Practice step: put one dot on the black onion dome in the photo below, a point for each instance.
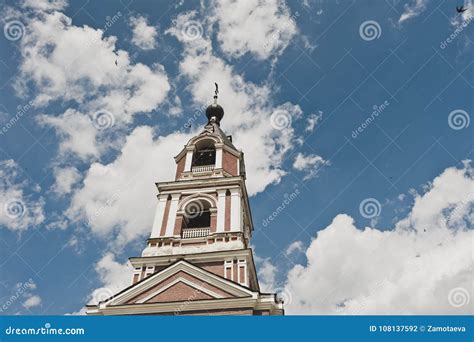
(214, 110)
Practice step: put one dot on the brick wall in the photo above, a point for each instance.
(180, 166)
(229, 163)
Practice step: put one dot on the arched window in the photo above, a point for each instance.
(197, 214)
(204, 154)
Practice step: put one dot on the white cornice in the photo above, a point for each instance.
(263, 302)
(199, 182)
(163, 260)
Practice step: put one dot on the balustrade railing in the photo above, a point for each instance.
(202, 168)
(189, 233)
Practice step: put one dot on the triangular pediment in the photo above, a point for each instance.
(181, 281)
(179, 290)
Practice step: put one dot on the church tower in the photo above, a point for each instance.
(197, 260)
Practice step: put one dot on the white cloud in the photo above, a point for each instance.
(415, 268)
(65, 178)
(18, 210)
(114, 277)
(77, 134)
(32, 301)
(248, 107)
(44, 5)
(144, 35)
(54, 46)
(295, 246)
(121, 197)
(103, 77)
(413, 9)
(268, 26)
(312, 121)
(310, 163)
(266, 274)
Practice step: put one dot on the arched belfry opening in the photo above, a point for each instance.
(197, 214)
(204, 153)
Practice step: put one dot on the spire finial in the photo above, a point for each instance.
(216, 92)
(214, 111)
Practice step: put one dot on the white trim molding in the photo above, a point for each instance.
(235, 210)
(158, 220)
(172, 214)
(220, 210)
(189, 158)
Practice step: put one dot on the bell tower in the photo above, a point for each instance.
(197, 259)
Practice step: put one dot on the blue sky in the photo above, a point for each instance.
(295, 86)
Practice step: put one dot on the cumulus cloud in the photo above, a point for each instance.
(76, 132)
(55, 47)
(310, 164)
(312, 121)
(266, 272)
(19, 210)
(268, 26)
(114, 277)
(120, 196)
(294, 247)
(32, 301)
(424, 265)
(44, 5)
(144, 35)
(413, 9)
(103, 79)
(65, 178)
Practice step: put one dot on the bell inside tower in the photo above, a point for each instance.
(205, 153)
